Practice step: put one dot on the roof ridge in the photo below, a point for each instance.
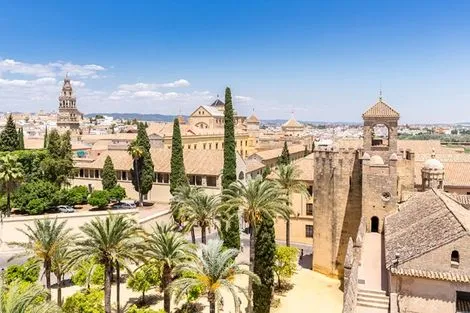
(441, 195)
(377, 106)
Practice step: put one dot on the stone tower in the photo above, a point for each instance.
(379, 164)
(68, 117)
(432, 174)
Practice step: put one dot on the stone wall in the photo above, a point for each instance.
(351, 268)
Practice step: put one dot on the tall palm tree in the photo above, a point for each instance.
(110, 240)
(214, 270)
(257, 198)
(204, 211)
(11, 174)
(45, 237)
(136, 153)
(169, 247)
(288, 178)
(179, 203)
(18, 299)
(62, 263)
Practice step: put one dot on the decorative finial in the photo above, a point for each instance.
(433, 154)
(380, 92)
(217, 96)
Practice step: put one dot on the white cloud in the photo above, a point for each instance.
(145, 86)
(55, 69)
(243, 99)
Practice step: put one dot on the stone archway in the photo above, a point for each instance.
(374, 224)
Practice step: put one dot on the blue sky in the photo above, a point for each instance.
(322, 60)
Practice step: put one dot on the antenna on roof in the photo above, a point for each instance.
(217, 96)
(380, 92)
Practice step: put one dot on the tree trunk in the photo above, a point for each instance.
(166, 292)
(118, 286)
(249, 308)
(136, 167)
(47, 273)
(203, 234)
(193, 235)
(108, 273)
(59, 290)
(288, 232)
(143, 297)
(211, 298)
(8, 204)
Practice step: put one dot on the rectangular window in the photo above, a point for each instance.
(309, 231)
(195, 146)
(92, 174)
(198, 180)
(124, 175)
(86, 173)
(97, 174)
(204, 146)
(129, 176)
(310, 190)
(309, 209)
(210, 146)
(81, 174)
(216, 145)
(211, 181)
(191, 180)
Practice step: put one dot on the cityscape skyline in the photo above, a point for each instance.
(324, 62)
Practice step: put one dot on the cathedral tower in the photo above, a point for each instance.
(379, 164)
(68, 117)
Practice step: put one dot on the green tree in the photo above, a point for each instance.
(20, 139)
(136, 153)
(99, 198)
(108, 178)
(62, 263)
(183, 194)
(146, 175)
(145, 278)
(58, 166)
(78, 194)
(35, 197)
(169, 247)
(113, 240)
(30, 160)
(117, 193)
(288, 177)
(27, 272)
(215, 271)
(54, 143)
(230, 232)
(285, 263)
(44, 145)
(19, 298)
(142, 139)
(11, 174)
(265, 249)
(143, 171)
(284, 159)
(257, 198)
(84, 302)
(45, 238)
(88, 272)
(177, 174)
(9, 136)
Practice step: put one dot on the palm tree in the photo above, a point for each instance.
(62, 263)
(204, 211)
(179, 202)
(214, 270)
(110, 240)
(11, 174)
(46, 237)
(169, 247)
(288, 178)
(136, 153)
(257, 198)
(18, 299)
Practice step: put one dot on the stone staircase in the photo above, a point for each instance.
(377, 300)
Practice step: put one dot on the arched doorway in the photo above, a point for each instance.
(374, 224)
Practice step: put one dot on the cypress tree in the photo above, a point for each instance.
(284, 159)
(45, 139)
(147, 173)
(54, 143)
(230, 234)
(108, 178)
(144, 164)
(9, 136)
(265, 251)
(142, 139)
(20, 139)
(177, 174)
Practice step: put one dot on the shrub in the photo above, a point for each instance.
(88, 273)
(85, 302)
(99, 198)
(117, 193)
(35, 197)
(145, 278)
(285, 263)
(78, 194)
(27, 272)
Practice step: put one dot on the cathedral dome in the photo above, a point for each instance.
(376, 160)
(433, 163)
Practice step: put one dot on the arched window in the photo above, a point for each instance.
(454, 257)
(241, 176)
(374, 224)
(380, 135)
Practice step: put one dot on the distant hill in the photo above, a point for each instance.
(138, 116)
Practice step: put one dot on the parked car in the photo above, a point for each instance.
(65, 209)
(123, 205)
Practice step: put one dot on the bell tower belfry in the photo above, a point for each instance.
(68, 117)
(379, 164)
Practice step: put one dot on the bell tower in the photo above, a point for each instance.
(68, 117)
(379, 164)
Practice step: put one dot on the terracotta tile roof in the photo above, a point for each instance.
(455, 173)
(292, 122)
(305, 166)
(448, 276)
(213, 111)
(253, 165)
(217, 103)
(33, 143)
(275, 153)
(464, 200)
(252, 119)
(381, 109)
(425, 222)
(203, 162)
